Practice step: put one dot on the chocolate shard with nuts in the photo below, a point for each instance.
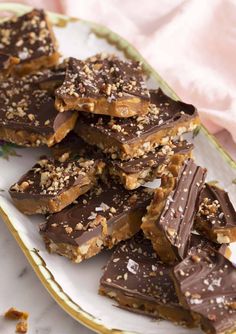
(140, 282)
(27, 113)
(100, 218)
(205, 283)
(170, 215)
(50, 186)
(30, 39)
(131, 173)
(7, 63)
(135, 172)
(135, 136)
(103, 85)
(216, 217)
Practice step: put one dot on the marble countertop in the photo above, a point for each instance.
(20, 287)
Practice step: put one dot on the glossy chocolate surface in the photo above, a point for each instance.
(206, 282)
(216, 209)
(103, 76)
(176, 219)
(27, 37)
(135, 269)
(84, 218)
(152, 159)
(163, 113)
(24, 106)
(48, 178)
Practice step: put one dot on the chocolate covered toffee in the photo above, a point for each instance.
(100, 218)
(133, 137)
(30, 39)
(50, 186)
(170, 216)
(205, 282)
(27, 113)
(216, 217)
(139, 281)
(104, 85)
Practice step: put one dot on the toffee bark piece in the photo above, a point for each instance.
(50, 186)
(7, 64)
(133, 137)
(103, 85)
(216, 217)
(135, 172)
(28, 116)
(30, 39)
(131, 173)
(170, 215)
(100, 218)
(140, 282)
(205, 283)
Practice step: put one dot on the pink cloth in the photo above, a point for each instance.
(191, 43)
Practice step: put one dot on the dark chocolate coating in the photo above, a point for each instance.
(98, 202)
(24, 106)
(225, 215)
(48, 178)
(176, 219)
(91, 79)
(75, 146)
(136, 270)
(164, 113)
(206, 282)
(152, 159)
(27, 37)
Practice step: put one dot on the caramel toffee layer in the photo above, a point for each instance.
(102, 217)
(170, 216)
(135, 136)
(135, 172)
(137, 278)
(29, 38)
(205, 282)
(103, 85)
(49, 186)
(216, 218)
(27, 113)
(7, 63)
(131, 173)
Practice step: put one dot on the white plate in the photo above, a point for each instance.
(75, 286)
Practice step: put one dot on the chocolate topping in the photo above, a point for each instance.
(177, 217)
(27, 37)
(48, 178)
(206, 284)
(103, 204)
(163, 113)
(106, 76)
(24, 106)
(216, 214)
(73, 146)
(152, 159)
(136, 269)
